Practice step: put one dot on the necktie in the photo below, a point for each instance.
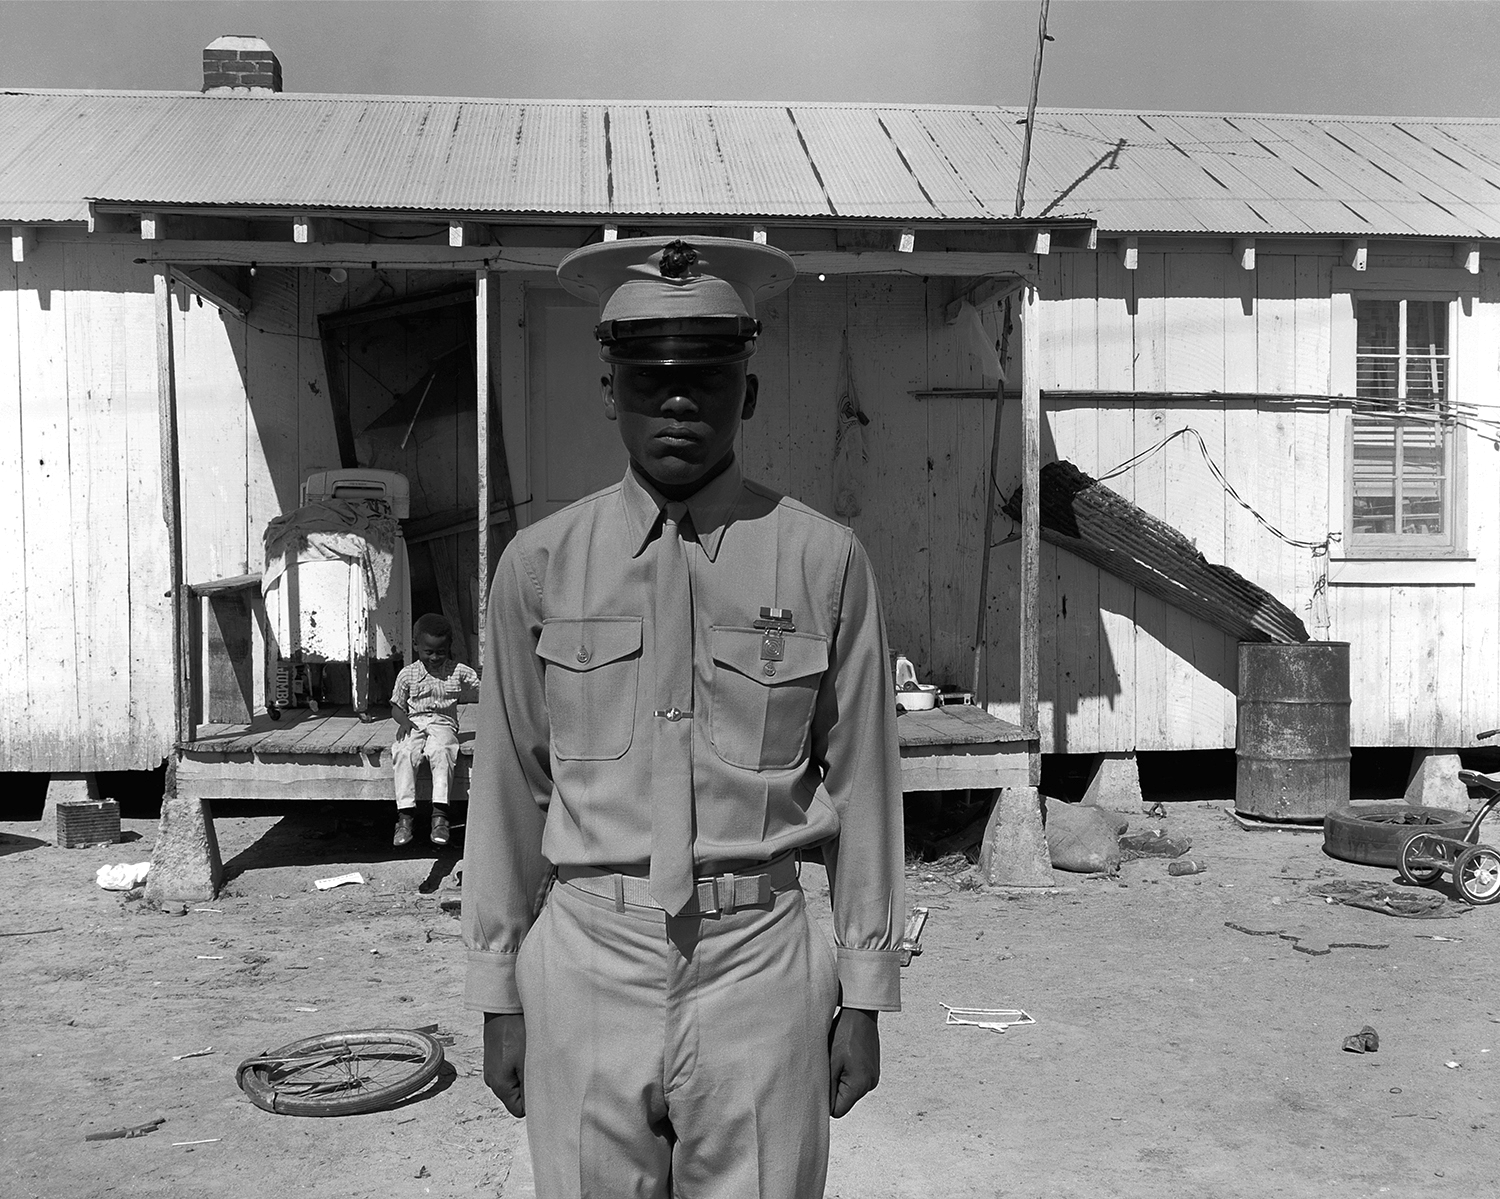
(671, 879)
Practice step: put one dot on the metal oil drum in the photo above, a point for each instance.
(1292, 730)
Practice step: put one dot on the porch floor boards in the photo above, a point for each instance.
(334, 731)
(332, 755)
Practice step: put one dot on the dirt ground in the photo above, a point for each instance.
(1171, 1055)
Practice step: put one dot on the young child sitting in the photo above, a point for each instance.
(425, 704)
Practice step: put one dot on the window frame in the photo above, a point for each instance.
(1411, 546)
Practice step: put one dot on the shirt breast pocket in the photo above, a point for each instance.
(591, 673)
(762, 709)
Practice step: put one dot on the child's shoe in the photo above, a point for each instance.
(403, 830)
(439, 832)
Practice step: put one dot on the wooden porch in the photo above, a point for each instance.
(332, 754)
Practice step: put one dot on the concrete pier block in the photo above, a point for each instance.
(66, 788)
(185, 864)
(1014, 850)
(1115, 785)
(1434, 780)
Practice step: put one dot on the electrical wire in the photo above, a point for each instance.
(1189, 431)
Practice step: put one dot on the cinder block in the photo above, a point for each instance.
(1115, 785)
(1434, 780)
(1014, 850)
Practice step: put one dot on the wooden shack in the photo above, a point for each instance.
(259, 286)
(191, 347)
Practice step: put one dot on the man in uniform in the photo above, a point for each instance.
(686, 686)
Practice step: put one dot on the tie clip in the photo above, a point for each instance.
(673, 714)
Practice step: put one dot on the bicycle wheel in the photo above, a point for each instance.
(341, 1073)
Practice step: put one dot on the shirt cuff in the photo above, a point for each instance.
(870, 979)
(491, 982)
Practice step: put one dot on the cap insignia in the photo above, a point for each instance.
(677, 258)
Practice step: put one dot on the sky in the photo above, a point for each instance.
(1386, 58)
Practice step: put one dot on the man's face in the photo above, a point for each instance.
(679, 423)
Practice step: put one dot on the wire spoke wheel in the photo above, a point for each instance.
(341, 1074)
(1476, 874)
(1419, 846)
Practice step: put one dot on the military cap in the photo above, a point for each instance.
(667, 301)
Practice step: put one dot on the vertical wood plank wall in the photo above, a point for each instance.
(1124, 671)
(88, 685)
(86, 680)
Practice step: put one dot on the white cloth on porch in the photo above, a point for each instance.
(332, 577)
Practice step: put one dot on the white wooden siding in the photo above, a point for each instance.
(1424, 658)
(88, 685)
(86, 679)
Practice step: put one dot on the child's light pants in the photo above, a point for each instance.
(435, 740)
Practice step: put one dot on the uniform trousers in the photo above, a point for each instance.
(433, 739)
(682, 1056)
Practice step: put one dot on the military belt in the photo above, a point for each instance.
(713, 895)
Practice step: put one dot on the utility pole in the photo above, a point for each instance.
(1036, 84)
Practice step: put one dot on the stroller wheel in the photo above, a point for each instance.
(1418, 846)
(1476, 874)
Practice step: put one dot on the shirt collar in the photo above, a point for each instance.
(711, 508)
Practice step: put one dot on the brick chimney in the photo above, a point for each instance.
(235, 63)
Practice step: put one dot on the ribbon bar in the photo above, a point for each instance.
(673, 714)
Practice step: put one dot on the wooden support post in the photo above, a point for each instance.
(1130, 252)
(482, 435)
(23, 241)
(1031, 509)
(1357, 253)
(1465, 254)
(171, 496)
(1244, 252)
(185, 861)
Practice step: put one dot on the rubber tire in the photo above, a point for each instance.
(252, 1077)
(1372, 834)
(1460, 880)
(1411, 874)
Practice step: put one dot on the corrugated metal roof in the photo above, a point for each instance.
(1139, 172)
(1248, 174)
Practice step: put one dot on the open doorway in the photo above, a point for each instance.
(402, 388)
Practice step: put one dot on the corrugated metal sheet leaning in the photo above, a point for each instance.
(1083, 516)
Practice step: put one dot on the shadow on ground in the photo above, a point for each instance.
(334, 834)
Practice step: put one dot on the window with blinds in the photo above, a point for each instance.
(1402, 472)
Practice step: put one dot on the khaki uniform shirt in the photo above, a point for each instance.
(799, 757)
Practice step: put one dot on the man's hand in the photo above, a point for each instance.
(853, 1059)
(505, 1059)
